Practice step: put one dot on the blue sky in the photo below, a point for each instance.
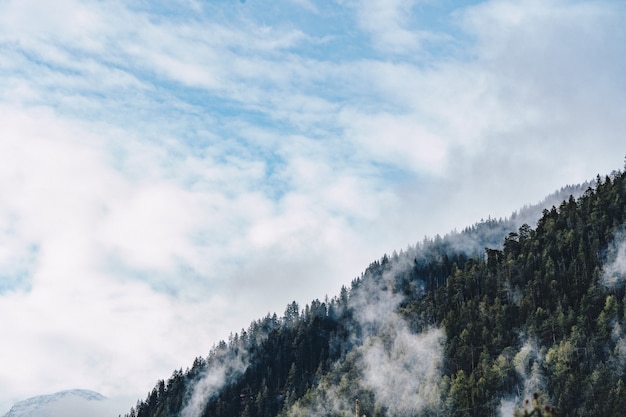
(169, 173)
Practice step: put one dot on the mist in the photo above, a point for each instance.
(224, 365)
(399, 368)
(528, 363)
(614, 269)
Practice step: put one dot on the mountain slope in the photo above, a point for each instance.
(465, 325)
(70, 403)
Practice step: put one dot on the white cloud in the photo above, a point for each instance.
(110, 231)
(388, 22)
(35, 21)
(397, 140)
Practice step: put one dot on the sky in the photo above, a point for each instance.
(171, 171)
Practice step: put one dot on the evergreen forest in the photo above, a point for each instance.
(474, 323)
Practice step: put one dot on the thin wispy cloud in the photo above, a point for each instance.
(170, 173)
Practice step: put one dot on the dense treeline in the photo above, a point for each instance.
(535, 308)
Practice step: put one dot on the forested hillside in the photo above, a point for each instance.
(470, 324)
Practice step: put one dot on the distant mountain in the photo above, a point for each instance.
(70, 403)
(470, 324)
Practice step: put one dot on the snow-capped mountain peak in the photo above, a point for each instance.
(69, 403)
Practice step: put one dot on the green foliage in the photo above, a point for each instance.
(535, 408)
